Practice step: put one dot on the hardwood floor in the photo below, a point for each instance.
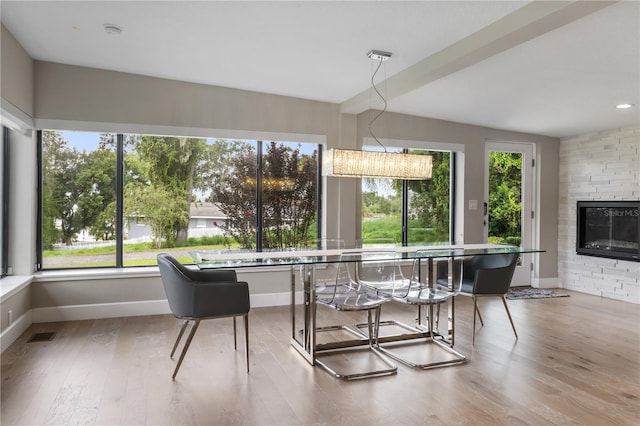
(577, 361)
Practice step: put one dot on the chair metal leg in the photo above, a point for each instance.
(376, 329)
(373, 325)
(175, 345)
(475, 312)
(479, 316)
(504, 302)
(246, 338)
(370, 326)
(432, 337)
(186, 346)
(235, 336)
(449, 348)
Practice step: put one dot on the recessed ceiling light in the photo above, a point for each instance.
(624, 106)
(112, 29)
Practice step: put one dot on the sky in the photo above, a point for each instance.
(82, 140)
(89, 141)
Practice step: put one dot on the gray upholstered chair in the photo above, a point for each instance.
(195, 295)
(488, 276)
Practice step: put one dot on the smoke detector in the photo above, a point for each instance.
(112, 29)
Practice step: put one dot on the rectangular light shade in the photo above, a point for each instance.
(372, 164)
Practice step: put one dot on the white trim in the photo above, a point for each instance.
(523, 274)
(14, 118)
(95, 274)
(15, 330)
(13, 284)
(263, 300)
(100, 310)
(545, 283)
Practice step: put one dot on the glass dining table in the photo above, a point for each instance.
(304, 265)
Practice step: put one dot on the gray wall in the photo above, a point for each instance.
(79, 98)
(16, 89)
(19, 304)
(66, 92)
(16, 79)
(139, 286)
(411, 128)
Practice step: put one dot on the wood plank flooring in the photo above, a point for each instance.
(577, 361)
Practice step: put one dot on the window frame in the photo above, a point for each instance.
(120, 135)
(4, 213)
(405, 146)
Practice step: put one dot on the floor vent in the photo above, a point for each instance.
(42, 337)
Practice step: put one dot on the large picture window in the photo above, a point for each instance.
(78, 199)
(409, 211)
(171, 193)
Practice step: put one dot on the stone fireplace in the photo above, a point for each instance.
(597, 166)
(608, 229)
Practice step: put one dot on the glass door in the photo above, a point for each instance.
(508, 206)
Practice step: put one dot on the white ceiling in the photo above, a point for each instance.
(550, 68)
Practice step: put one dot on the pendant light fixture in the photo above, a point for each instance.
(375, 164)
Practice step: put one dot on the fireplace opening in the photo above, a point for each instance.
(609, 229)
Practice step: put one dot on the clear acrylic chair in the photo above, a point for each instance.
(423, 290)
(381, 272)
(325, 277)
(347, 295)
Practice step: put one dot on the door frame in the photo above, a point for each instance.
(524, 271)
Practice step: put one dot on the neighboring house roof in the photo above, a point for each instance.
(206, 211)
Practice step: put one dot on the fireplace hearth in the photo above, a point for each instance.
(609, 229)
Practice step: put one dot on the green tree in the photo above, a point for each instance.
(288, 194)
(429, 201)
(216, 163)
(97, 181)
(234, 189)
(61, 165)
(50, 233)
(505, 198)
(430, 198)
(375, 204)
(165, 213)
(172, 163)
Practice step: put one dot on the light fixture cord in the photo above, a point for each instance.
(373, 84)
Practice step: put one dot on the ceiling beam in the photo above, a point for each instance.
(526, 23)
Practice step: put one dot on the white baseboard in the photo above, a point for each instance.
(273, 299)
(15, 330)
(545, 283)
(100, 310)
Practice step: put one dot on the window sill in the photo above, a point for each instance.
(12, 284)
(95, 274)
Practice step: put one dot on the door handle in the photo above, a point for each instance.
(486, 208)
